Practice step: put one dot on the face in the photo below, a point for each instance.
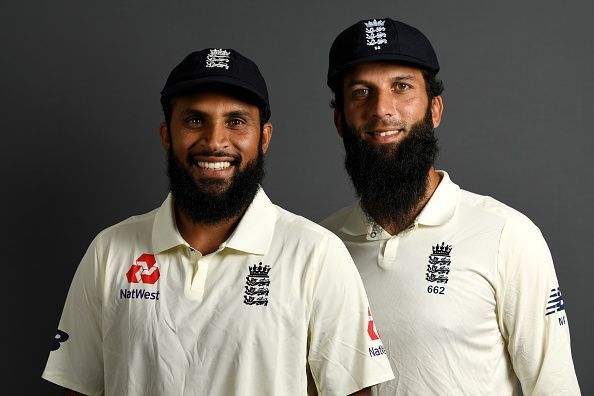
(214, 137)
(387, 125)
(383, 101)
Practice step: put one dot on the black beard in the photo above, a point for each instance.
(391, 180)
(208, 202)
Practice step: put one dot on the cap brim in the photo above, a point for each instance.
(383, 57)
(189, 85)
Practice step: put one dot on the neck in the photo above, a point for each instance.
(433, 180)
(205, 237)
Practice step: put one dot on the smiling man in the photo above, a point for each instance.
(218, 291)
(463, 286)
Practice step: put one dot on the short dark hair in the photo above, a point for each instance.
(433, 86)
(244, 96)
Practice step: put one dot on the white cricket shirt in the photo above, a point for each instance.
(466, 299)
(148, 315)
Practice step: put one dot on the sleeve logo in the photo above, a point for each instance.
(555, 302)
(59, 338)
(371, 329)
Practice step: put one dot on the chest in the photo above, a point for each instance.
(441, 280)
(187, 301)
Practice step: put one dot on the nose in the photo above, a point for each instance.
(384, 104)
(215, 137)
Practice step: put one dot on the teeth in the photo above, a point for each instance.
(388, 133)
(214, 165)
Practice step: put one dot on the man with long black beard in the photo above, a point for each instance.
(463, 286)
(219, 291)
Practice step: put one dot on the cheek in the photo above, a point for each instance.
(247, 146)
(414, 109)
(354, 115)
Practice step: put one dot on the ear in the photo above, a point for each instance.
(164, 133)
(338, 122)
(266, 136)
(436, 110)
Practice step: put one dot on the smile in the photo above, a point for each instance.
(213, 165)
(386, 133)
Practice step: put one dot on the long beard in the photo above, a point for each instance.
(391, 180)
(209, 202)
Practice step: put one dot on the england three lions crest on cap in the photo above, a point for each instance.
(218, 58)
(375, 33)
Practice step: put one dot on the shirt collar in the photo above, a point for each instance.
(441, 206)
(438, 210)
(165, 233)
(256, 228)
(253, 234)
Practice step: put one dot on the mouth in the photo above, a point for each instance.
(385, 136)
(213, 165)
(386, 133)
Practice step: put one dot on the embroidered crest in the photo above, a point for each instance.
(218, 58)
(375, 33)
(256, 285)
(439, 264)
(555, 303)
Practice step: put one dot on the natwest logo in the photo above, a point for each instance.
(146, 270)
(371, 330)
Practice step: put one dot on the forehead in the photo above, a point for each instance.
(380, 72)
(213, 102)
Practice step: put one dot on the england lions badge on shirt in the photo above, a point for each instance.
(256, 285)
(438, 268)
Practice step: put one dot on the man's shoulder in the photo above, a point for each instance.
(133, 225)
(335, 220)
(490, 207)
(301, 227)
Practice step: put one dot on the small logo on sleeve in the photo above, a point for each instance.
(256, 285)
(371, 329)
(59, 338)
(555, 302)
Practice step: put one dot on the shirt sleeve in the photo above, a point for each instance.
(345, 351)
(76, 359)
(532, 315)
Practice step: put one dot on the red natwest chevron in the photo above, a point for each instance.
(145, 269)
(371, 327)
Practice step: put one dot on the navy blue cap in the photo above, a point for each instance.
(219, 66)
(379, 40)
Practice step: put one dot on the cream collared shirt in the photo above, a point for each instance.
(466, 299)
(148, 315)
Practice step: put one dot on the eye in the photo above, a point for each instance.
(194, 122)
(400, 86)
(360, 92)
(236, 122)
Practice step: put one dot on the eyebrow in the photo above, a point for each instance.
(404, 77)
(238, 113)
(189, 111)
(232, 113)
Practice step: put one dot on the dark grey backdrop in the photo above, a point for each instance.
(80, 115)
